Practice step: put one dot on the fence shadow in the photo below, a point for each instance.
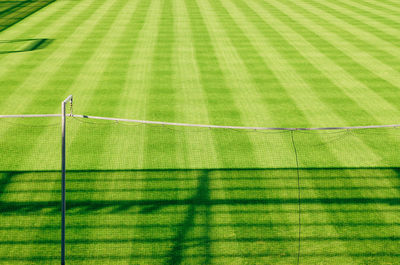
(185, 213)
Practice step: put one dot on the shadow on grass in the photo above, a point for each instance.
(198, 205)
(15, 11)
(23, 45)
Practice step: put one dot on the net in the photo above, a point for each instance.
(159, 193)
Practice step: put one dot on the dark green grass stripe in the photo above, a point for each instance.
(263, 77)
(395, 40)
(380, 86)
(310, 74)
(291, 54)
(381, 7)
(263, 73)
(113, 80)
(211, 75)
(268, 86)
(370, 14)
(74, 63)
(220, 103)
(72, 66)
(161, 96)
(20, 11)
(335, 95)
(102, 141)
(54, 15)
(67, 29)
(161, 149)
(12, 7)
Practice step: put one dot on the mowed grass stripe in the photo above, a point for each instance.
(100, 51)
(39, 22)
(138, 69)
(84, 62)
(365, 25)
(324, 152)
(362, 35)
(8, 72)
(238, 77)
(386, 6)
(299, 81)
(341, 74)
(384, 20)
(323, 81)
(328, 94)
(221, 103)
(118, 153)
(366, 69)
(265, 46)
(118, 51)
(212, 78)
(161, 147)
(238, 17)
(238, 249)
(38, 76)
(34, 102)
(297, 40)
(89, 66)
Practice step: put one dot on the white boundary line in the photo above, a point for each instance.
(30, 116)
(201, 125)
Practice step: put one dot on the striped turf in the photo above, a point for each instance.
(160, 195)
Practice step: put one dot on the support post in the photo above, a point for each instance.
(63, 204)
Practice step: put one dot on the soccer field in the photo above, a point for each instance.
(141, 194)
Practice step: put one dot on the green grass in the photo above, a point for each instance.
(162, 195)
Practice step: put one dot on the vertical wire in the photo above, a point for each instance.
(299, 197)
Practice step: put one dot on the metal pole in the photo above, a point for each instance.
(63, 204)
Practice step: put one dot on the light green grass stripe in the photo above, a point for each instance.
(387, 5)
(286, 31)
(162, 150)
(38, 15)
(192, 107)
(237, 81)
(299, 92)
(356, 62)
(385, 20)
(371, 49)
(37, 78)
(140, 85)
(367, 25)
(161, 94)
(39, 22)
(223, 108)
(66, 64)
(363, 35)
(303, 183)
(304, 69)
(366, 21)
(91, 65)
(341, 78)
(363, 59)
(296, 39)
(236, 74)
(222, 38)
(118, 51)
(96, 60)
(304, 77)
(13, 62)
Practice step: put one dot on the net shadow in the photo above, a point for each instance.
(184, 215)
